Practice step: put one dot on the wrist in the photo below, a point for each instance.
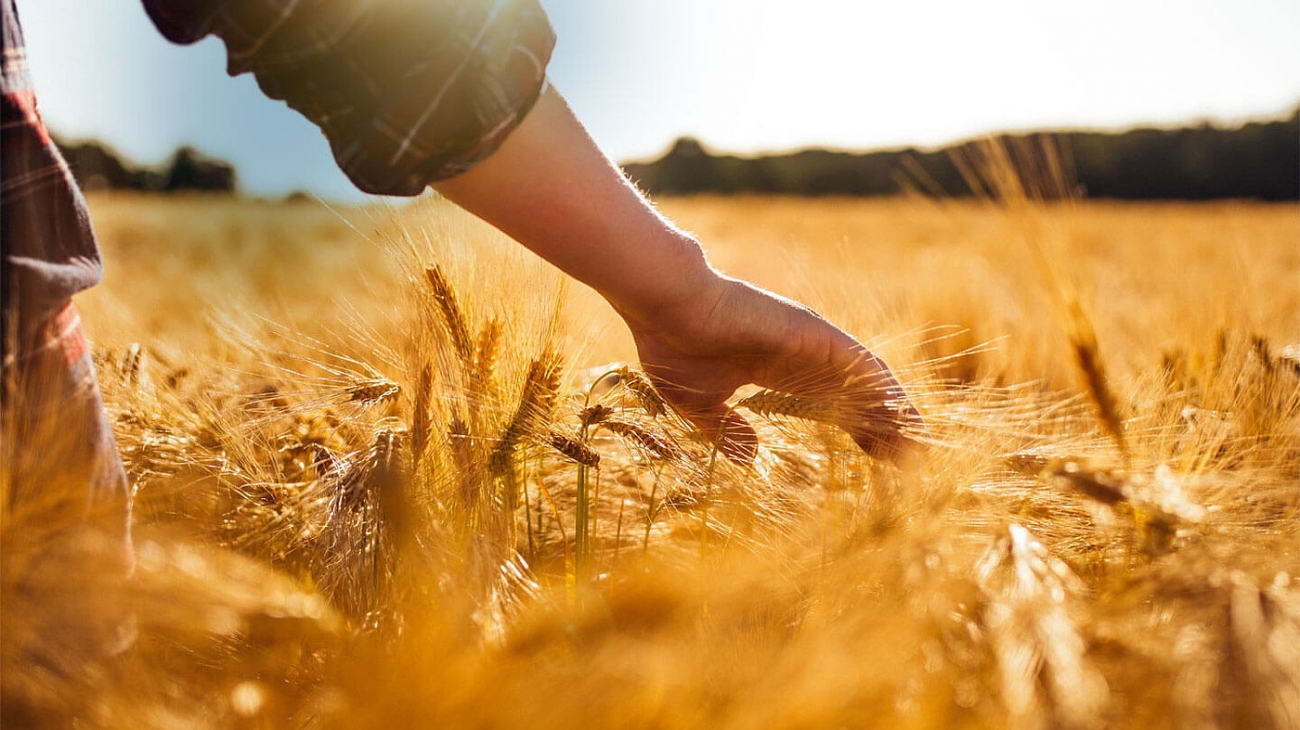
(674, 292)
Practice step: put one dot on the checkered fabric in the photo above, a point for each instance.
(408, 92)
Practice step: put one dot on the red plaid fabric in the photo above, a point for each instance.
(47, 247)
(56, 447)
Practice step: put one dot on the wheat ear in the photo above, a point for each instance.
(574, 450)
(536, 401)
(1041, 657)
(420, 418)
(595, 415)
(485, 356)
(1084, 340)
(636, 433)
(638, 383)
(771, 403)
(453, 318)
(373, 390)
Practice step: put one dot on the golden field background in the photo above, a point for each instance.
(342, 521)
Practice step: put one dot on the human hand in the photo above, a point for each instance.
(700, 335)
(731, 333)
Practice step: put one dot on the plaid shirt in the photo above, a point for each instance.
(408, 92)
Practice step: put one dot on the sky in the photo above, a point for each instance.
(743, 76)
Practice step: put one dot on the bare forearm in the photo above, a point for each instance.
(699, 335)
(550, 188)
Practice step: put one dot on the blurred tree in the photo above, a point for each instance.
(190, 170)
(98, 167)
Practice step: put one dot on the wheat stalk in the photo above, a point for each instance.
(461, 444)
(595, 415)
(1045, 676)
(773, 403)
(453, 318)
(1159, 502)
(372, 390)
(420, 418)
(640, 386)
(485, 356)
(135, 368)
(636, 433)
(1084, 341)
(574, 450)
(367, 517)
(1289, 357)
(388, 481)
(536, 402)
(1259, 347)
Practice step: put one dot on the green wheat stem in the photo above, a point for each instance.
(580, 525)
(581, 533)
(650, 519)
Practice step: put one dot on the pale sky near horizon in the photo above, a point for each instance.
(743, 76)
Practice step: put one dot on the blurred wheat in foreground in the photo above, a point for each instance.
(436, 494)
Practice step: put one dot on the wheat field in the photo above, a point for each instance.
(392, 471)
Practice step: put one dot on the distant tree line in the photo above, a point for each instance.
(96, 167)
(1259, 160)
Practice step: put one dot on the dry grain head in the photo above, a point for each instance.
(373, 390)
(574, 450)
(655, 444)
(485, 358)
(451, 314)
(1046, 678)
(638, 384)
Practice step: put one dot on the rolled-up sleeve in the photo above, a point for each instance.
(408, 92)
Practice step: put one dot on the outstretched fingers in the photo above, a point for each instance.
(877, 413)
(842, 382)
(754, 337)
